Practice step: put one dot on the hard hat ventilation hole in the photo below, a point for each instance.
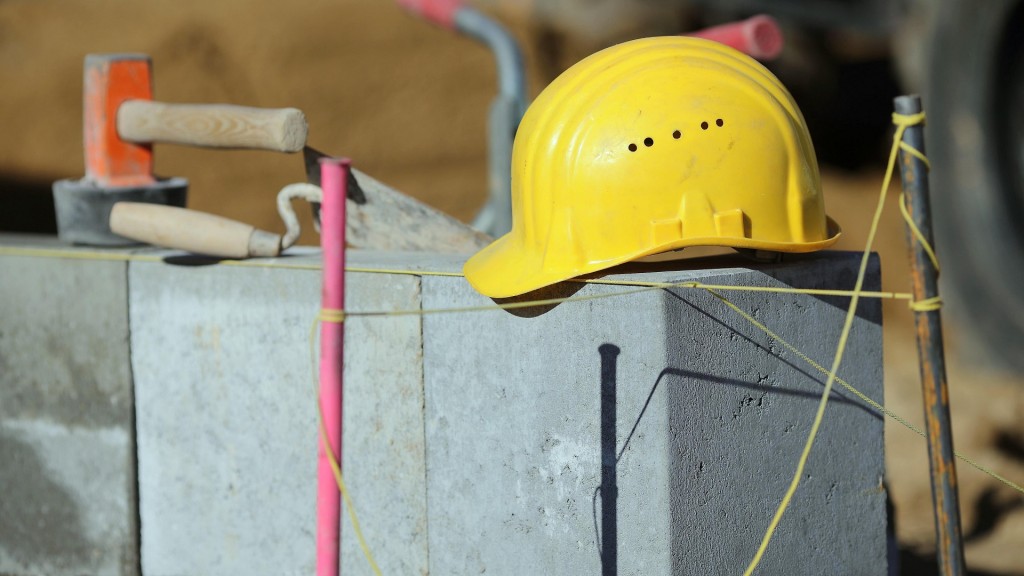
(677, 134)
(719, 122)
(648, 142)
(632, 147)
(703, 125)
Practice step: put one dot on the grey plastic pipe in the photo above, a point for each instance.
(507, 109)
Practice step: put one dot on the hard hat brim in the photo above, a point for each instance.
(503, 269)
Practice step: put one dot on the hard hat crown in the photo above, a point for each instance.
(649, 146)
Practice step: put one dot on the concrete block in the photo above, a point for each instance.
(67, 466)
(654, 433)
(227, 421)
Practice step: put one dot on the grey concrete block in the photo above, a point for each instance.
(67, 468)
(227, 421)
(690, 418)
(384, 443)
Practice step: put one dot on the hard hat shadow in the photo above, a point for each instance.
(557, 291)
(569, 288)
(675, 262)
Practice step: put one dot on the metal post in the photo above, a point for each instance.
(946, 502)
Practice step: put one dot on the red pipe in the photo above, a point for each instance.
(334, 182)
(759, 37)
(440, 12)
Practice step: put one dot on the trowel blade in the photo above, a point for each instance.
(381, 218)
(312, 158)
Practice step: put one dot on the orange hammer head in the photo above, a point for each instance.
(110, 79)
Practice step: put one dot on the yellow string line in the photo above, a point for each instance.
(901, 122)
(337, 317)
(850, 388)
(76, 254)
(523, 304)
(121, 257)
(404, 272)
(927, 305)
(917, 232)
(772, 289)
(332, 315)
(916, 153)
(644, 287)
(907, 148)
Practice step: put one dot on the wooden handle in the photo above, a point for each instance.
(192, 231)
(212, 125)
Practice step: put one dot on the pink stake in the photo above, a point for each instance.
(440, 12)
(334, 181)
(759, 37)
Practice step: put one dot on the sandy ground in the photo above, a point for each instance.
(408, 103)
(987, 407)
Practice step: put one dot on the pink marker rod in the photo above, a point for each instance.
(440, 12)
(759, 37)
(334, 181)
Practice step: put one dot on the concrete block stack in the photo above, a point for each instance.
(644, 434)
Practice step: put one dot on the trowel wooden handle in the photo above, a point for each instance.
(212, 125)
(192, 231)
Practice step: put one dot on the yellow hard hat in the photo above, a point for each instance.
(649, 146)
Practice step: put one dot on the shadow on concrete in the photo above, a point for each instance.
(192, 260)
(26, 205)
(553, 292)
(606, 524)
(708, 378)
(869, 309)
(608, 540)
(40, 527)
(839, 395)
(188, 259)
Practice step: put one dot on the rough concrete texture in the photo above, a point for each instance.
(651, 434)
(67, 468)
(227, 421)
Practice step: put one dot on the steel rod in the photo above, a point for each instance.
(945, 500)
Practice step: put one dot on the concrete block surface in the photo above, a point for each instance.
(227, 421)
(653, 433)
(67, 466)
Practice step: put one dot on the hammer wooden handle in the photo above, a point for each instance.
(192, 231)
(212, 125)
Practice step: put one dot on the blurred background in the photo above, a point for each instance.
(409, 102)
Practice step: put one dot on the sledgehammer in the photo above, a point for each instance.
(120, 124)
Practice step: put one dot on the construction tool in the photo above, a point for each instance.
(120, 124)
(381, 219)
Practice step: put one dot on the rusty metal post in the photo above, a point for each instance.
(946, 502)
